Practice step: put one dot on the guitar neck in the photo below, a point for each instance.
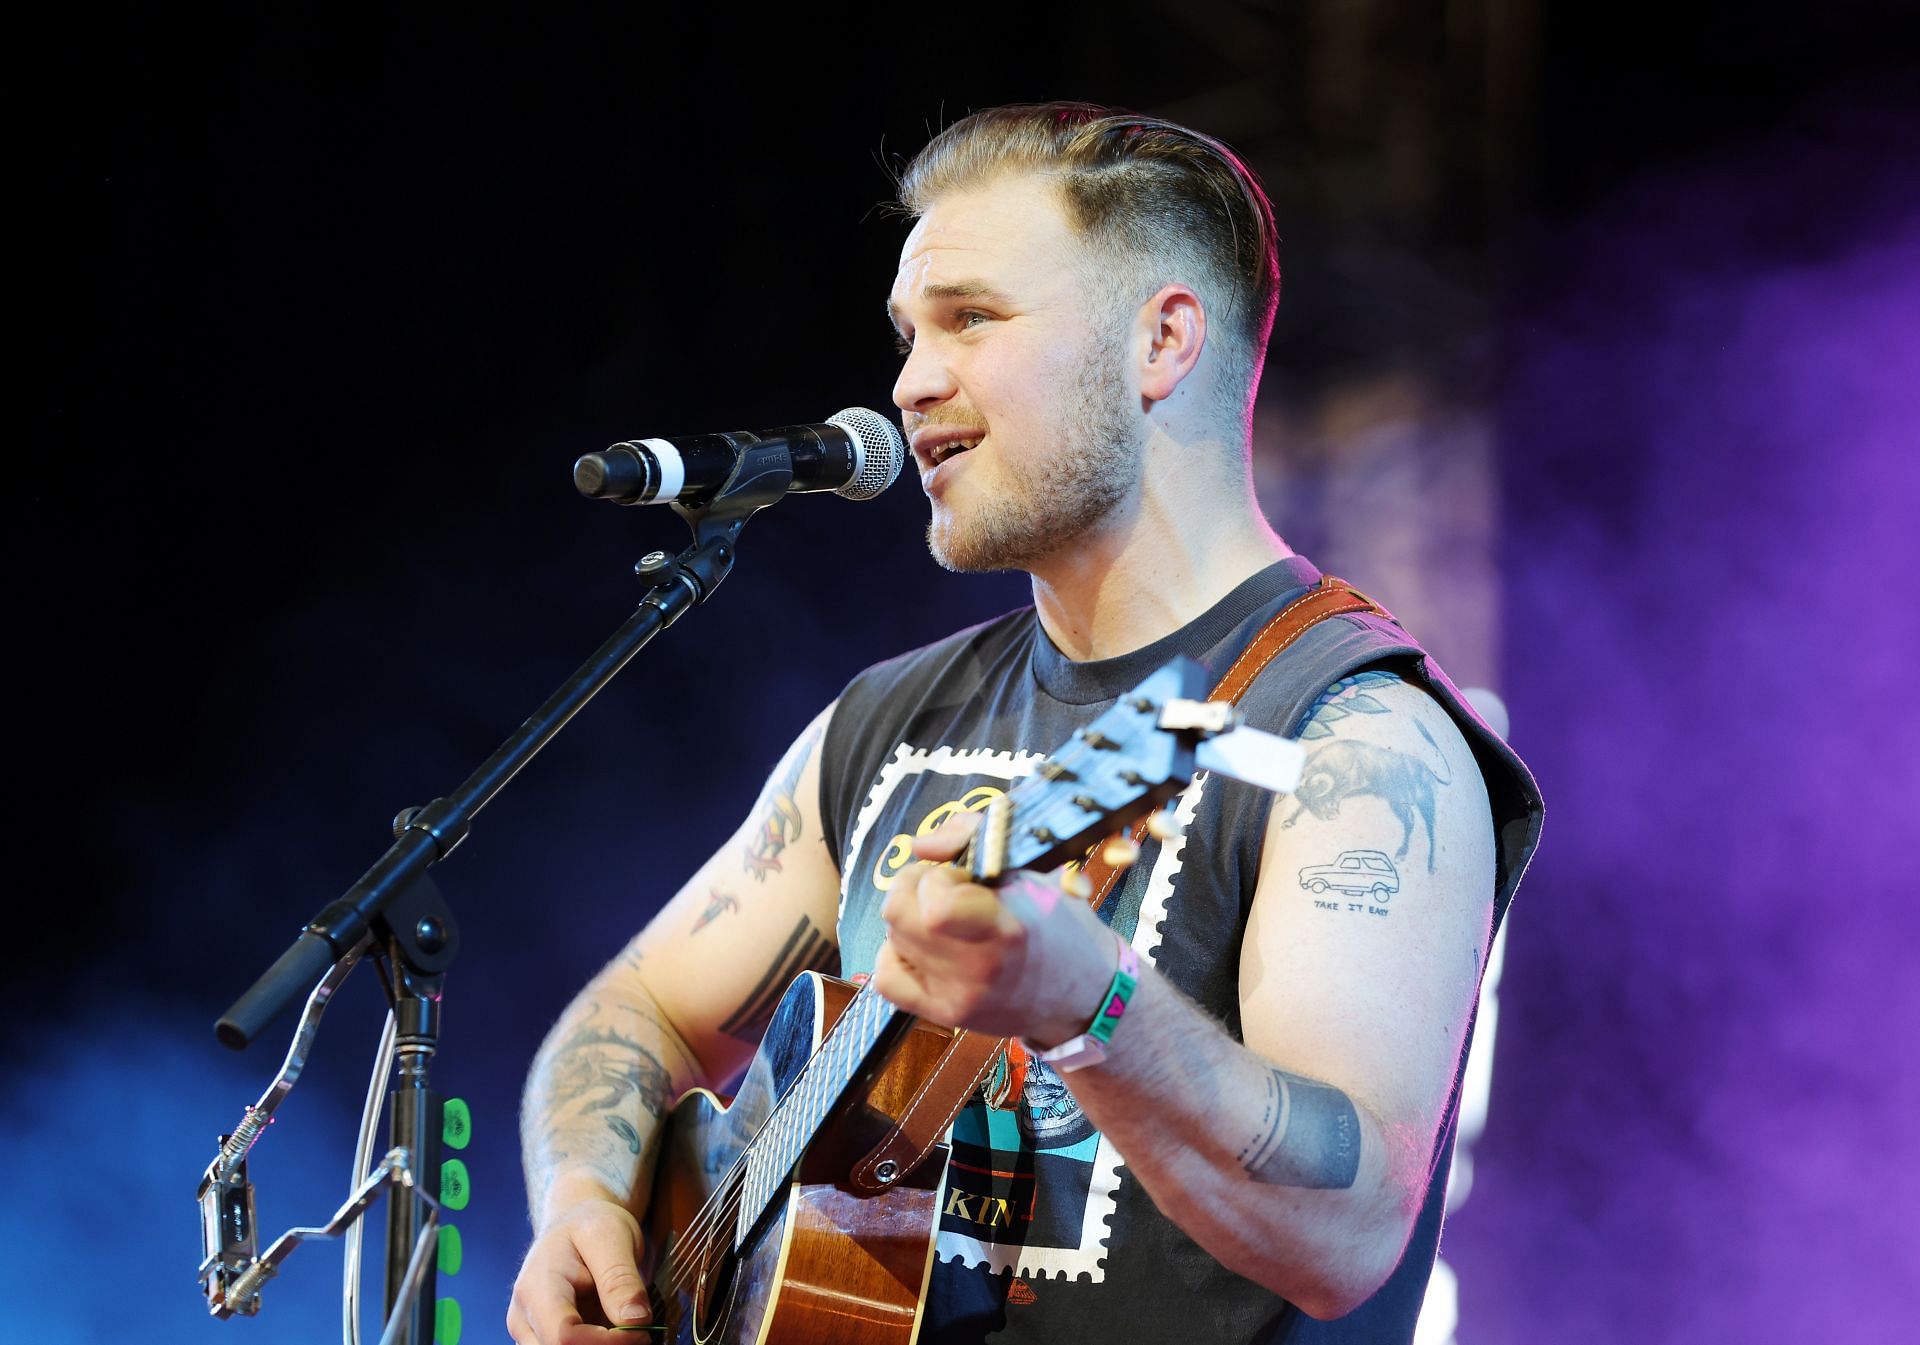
(820, 1085)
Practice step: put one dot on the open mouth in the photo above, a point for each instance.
(954, 449)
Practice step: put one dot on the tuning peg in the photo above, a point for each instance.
(1120, 852)
(1076, 884)
(1163, 826)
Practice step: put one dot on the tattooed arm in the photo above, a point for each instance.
(1354, 1006)
(1298, 1158)
(682, 1006)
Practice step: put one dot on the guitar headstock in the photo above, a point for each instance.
(1129, 761)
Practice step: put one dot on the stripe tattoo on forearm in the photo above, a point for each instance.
(1309, 1136)
(807, 949)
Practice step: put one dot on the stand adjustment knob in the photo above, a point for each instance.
(654, 569)
(431, 934)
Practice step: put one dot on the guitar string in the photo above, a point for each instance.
(861, 1013)
(720, 1216)
(804, 1094)
(713, 1217)
(721, 1209)
(805, 1097)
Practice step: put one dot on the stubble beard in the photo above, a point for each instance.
(1047, 503)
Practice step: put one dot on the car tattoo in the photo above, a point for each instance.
(1360, 873)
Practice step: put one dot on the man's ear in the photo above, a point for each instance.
(1172, 331)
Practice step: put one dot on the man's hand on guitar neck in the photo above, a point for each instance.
(1023, 961)
(586, 1258)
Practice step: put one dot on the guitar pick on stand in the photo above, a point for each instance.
(456, 1189)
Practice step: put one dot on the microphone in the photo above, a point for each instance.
(857, 453)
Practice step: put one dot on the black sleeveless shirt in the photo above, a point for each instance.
(1044, 1234)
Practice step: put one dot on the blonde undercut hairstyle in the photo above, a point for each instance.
(1165, 203)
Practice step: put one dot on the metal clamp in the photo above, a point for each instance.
(241, 1293)
(227, 1232)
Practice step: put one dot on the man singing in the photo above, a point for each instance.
(1259, 1152)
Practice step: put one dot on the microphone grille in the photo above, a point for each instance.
(879, 447)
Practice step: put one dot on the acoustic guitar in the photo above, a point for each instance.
(757, 1232)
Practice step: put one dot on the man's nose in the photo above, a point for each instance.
(925, 381)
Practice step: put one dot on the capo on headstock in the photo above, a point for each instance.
(986, 857)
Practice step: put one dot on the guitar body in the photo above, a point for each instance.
(825, 1263)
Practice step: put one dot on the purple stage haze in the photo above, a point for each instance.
(1703, 1113)
(1703, 1122)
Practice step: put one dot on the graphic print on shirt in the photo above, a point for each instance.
(1031, 1190)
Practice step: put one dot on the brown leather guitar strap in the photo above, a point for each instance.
(969, 1055)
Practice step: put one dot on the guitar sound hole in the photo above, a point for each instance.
(713, 1296)
(717, 1270)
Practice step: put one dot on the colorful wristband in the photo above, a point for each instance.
(1090, 1047)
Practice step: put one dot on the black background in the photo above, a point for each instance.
(314, 311)
(318, 310)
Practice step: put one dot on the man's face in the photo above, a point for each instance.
(1012, 350)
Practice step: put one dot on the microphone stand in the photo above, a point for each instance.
(395, 904)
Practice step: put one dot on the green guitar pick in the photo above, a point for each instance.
(447, 1254)
(456, 1124)
(446, 1321)
(455, 1186)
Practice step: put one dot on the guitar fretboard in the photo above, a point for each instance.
(795, 1121)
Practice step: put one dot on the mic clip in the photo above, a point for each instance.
(759, 478)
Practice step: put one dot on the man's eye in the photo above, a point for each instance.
(901, 345)
(967, 317)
